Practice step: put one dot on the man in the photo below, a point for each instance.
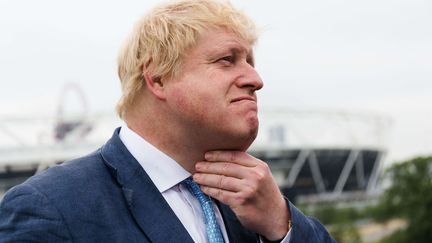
(190, 108)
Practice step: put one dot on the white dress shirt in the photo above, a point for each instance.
(166, 174)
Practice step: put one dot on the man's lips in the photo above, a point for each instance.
(243, 98)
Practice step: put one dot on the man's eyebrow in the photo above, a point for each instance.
(241, 49)
(230, 49)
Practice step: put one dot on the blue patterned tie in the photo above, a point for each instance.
(214, 233)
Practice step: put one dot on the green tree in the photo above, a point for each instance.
(409, 197)
(339, 221)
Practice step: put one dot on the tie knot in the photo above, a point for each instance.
(188, 181)
(195, 189)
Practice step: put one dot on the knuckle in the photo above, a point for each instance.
(250, 190)
(216, 155)
(261, 175)
(220, 194)
(232, 156)
(205, 190)
(264, 170)
(240, 199)
(258, 175)
(221, 181)
(225, 168)
(265, 166)
(207, 165)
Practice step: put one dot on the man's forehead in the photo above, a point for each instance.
(213, 42)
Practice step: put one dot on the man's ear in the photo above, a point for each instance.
(154, 84)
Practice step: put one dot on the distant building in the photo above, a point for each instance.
(321, 155)
(314, 155)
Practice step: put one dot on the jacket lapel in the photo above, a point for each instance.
(146, 204)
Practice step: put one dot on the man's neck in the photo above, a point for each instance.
(170, 141)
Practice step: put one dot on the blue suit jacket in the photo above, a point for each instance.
(108, 197)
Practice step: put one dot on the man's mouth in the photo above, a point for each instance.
(243, 98)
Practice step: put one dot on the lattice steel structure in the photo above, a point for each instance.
(319, 153)
(323, 155)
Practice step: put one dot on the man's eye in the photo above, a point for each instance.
(229, 59)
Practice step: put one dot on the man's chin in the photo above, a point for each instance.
(244, 141)
(238, 143)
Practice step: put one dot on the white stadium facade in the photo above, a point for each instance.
(321, 155)
(315, 155)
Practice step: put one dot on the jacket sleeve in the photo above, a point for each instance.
(27, 215)
(307, 229)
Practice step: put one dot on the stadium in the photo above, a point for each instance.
(315, 155)
(323, 155)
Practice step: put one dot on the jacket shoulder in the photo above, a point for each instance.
(66, 177)
(26, 215)
(61, 203)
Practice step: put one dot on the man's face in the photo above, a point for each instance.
(214, 97)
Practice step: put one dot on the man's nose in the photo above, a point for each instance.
(249, 78)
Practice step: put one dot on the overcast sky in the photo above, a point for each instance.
(370, 56)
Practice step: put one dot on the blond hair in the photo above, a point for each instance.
(164, 35)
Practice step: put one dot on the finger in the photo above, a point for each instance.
(218, 181)
(238, 157)
(223, 196)
(222, 168)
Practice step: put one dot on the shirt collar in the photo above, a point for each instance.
(163, 170)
